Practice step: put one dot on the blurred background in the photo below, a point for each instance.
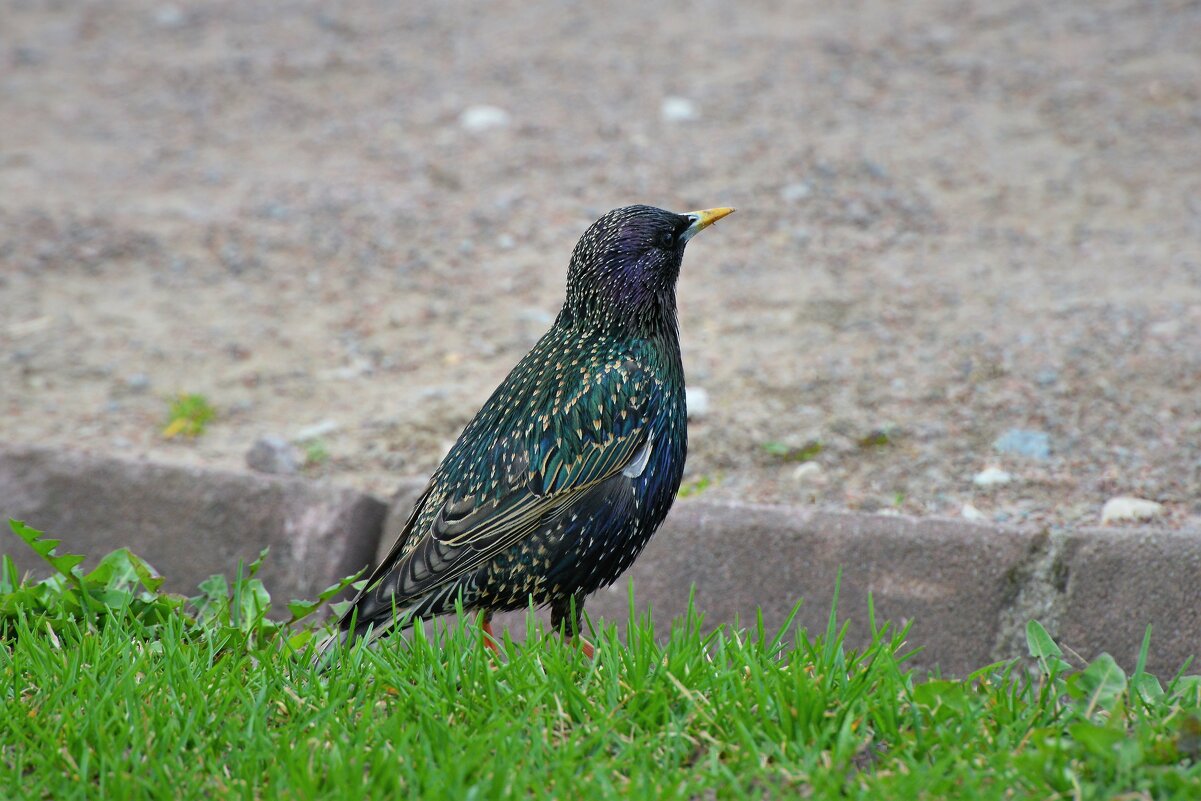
(964, 277)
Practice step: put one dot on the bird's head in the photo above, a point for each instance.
(624, 268)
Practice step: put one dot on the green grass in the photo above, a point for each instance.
(793, 453)
(695, 486)
(315, 452)
(188, 415)
(115, 690)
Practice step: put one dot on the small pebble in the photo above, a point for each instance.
(1047, 377)
(809, 473)
(1034, 444)
(697, 400)
(316, 430)
(991, 477)
(973, 514)
(170, 17)
(137, 383)
(272, 454)
(875, 170)
(1124, 508)
(477, 119)
(794, 192)
(679, 109)
(1165, 329)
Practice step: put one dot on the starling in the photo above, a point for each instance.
(557, 483)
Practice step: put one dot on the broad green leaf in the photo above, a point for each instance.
(1188, 690)
(341, 607)
(150, 578)
(115, 572)
(1039, 642)
(254, 566)
(1100, 685)
(941, 697)
(302, 609)
(1043, 648)
(212, 605)
(22, 599)
(253, 603)
(112, 599)
(45, 548)
(1148, 687)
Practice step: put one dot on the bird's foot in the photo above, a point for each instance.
(585, 646)
(490, 640)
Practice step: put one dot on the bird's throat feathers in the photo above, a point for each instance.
(624, 310)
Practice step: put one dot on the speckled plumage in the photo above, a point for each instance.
(555, 486)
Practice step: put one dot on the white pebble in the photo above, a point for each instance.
(316, 430)
(795, 192)
(679, 109)
(973, 514)
(478, 119)
(991, 477)
(697, 399)
(169, 17)
(809, 473)
(1123, 508)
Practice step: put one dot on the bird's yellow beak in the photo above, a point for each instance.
(703, 219)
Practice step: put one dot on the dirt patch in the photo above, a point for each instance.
(955, 219)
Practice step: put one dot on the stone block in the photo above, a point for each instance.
(954, 579)
(189, 522)
(1120, 580)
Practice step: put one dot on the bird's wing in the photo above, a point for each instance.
(589, 434)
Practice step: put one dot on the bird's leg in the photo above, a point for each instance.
(569, 610)
(585, 646)
(490, 641)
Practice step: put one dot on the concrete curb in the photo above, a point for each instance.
(969, 589)
(189, 522)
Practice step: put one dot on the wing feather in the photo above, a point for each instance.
(519, 482)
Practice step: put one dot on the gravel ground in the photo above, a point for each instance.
(955, 220)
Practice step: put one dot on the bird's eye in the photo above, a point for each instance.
(667, 240)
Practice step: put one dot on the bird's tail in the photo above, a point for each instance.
(349, 630)
(373, 620)
(329, 648)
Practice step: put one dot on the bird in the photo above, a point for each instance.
(560, 479)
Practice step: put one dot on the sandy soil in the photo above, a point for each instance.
(955, 219)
